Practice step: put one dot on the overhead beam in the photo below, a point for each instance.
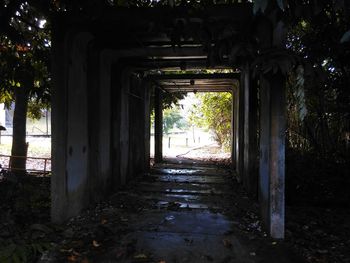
(140, 63)
(201, 90)
(195, 76)
(198, 87)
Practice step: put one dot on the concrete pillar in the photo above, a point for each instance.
(104, 124)
(236, 122)
(250, 175)
(70, 143)
(120, 81)
(99, 100)
(272, 153)
(158, 126)
(233, 129)
(240, 129)
(137, 126)
(147, 126)
(124, 134)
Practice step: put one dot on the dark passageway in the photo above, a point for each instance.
(103, 84)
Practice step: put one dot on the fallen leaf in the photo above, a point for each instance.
(72, 258)
(95, 243)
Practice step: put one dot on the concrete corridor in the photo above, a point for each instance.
(187, 213)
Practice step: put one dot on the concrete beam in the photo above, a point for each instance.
(220, 76)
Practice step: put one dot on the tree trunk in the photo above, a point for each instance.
(19, 145)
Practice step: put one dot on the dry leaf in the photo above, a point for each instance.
(72, 258)
(95, 243)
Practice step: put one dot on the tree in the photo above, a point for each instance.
(24, 73)
(213, 112)
(172, 117)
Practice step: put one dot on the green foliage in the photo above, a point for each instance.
(213, 112)
(25, 59)
(318, 117)
(35, 109)
(172, 117)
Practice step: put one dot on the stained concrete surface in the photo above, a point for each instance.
(186, 213)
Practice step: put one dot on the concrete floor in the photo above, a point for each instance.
(191, 214)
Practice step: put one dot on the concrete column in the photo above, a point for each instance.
(233, 129)
(147, 126)
(236, 122)
(99, 100)
(240, 128)
(272, 153)
(124, 133)
(70, 142)
(104, 123)
(158, 126)
(136, 126)
(120, 78)
(250, 175)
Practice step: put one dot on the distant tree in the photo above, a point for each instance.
(172, 117)
(213, 112)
